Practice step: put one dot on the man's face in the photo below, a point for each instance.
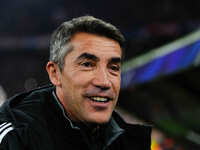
(90, 80)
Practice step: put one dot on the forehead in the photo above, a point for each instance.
(97, 45)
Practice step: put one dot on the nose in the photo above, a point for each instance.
(101, 79)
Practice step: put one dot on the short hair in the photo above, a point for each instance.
(60, 39)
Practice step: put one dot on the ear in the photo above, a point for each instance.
(54, 73)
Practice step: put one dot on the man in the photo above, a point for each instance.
(77, 111)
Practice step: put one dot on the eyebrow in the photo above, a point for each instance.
(88, 56)
(95, 58)
(115, 60)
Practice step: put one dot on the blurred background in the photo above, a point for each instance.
(160, 77)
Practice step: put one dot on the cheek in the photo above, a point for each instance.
(69, 84)
(82, 79)
(75, 83)
(116, 85)
(71, 76)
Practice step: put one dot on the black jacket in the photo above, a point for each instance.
(34, 121)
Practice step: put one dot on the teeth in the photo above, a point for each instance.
(99, 99)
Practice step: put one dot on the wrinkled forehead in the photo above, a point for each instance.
(96, 45)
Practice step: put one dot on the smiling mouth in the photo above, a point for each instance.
(99, 99)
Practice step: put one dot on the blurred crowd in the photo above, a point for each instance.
(140, 21)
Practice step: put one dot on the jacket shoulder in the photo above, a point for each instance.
(23, 107)
(136, 136)
(21, 118)
(141, 128)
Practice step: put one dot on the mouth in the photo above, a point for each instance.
(99, 99)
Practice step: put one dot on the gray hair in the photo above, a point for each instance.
(60, 40)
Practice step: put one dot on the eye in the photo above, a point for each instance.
(87, 64)
(115, 68)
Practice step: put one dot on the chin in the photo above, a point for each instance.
(100, 120)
